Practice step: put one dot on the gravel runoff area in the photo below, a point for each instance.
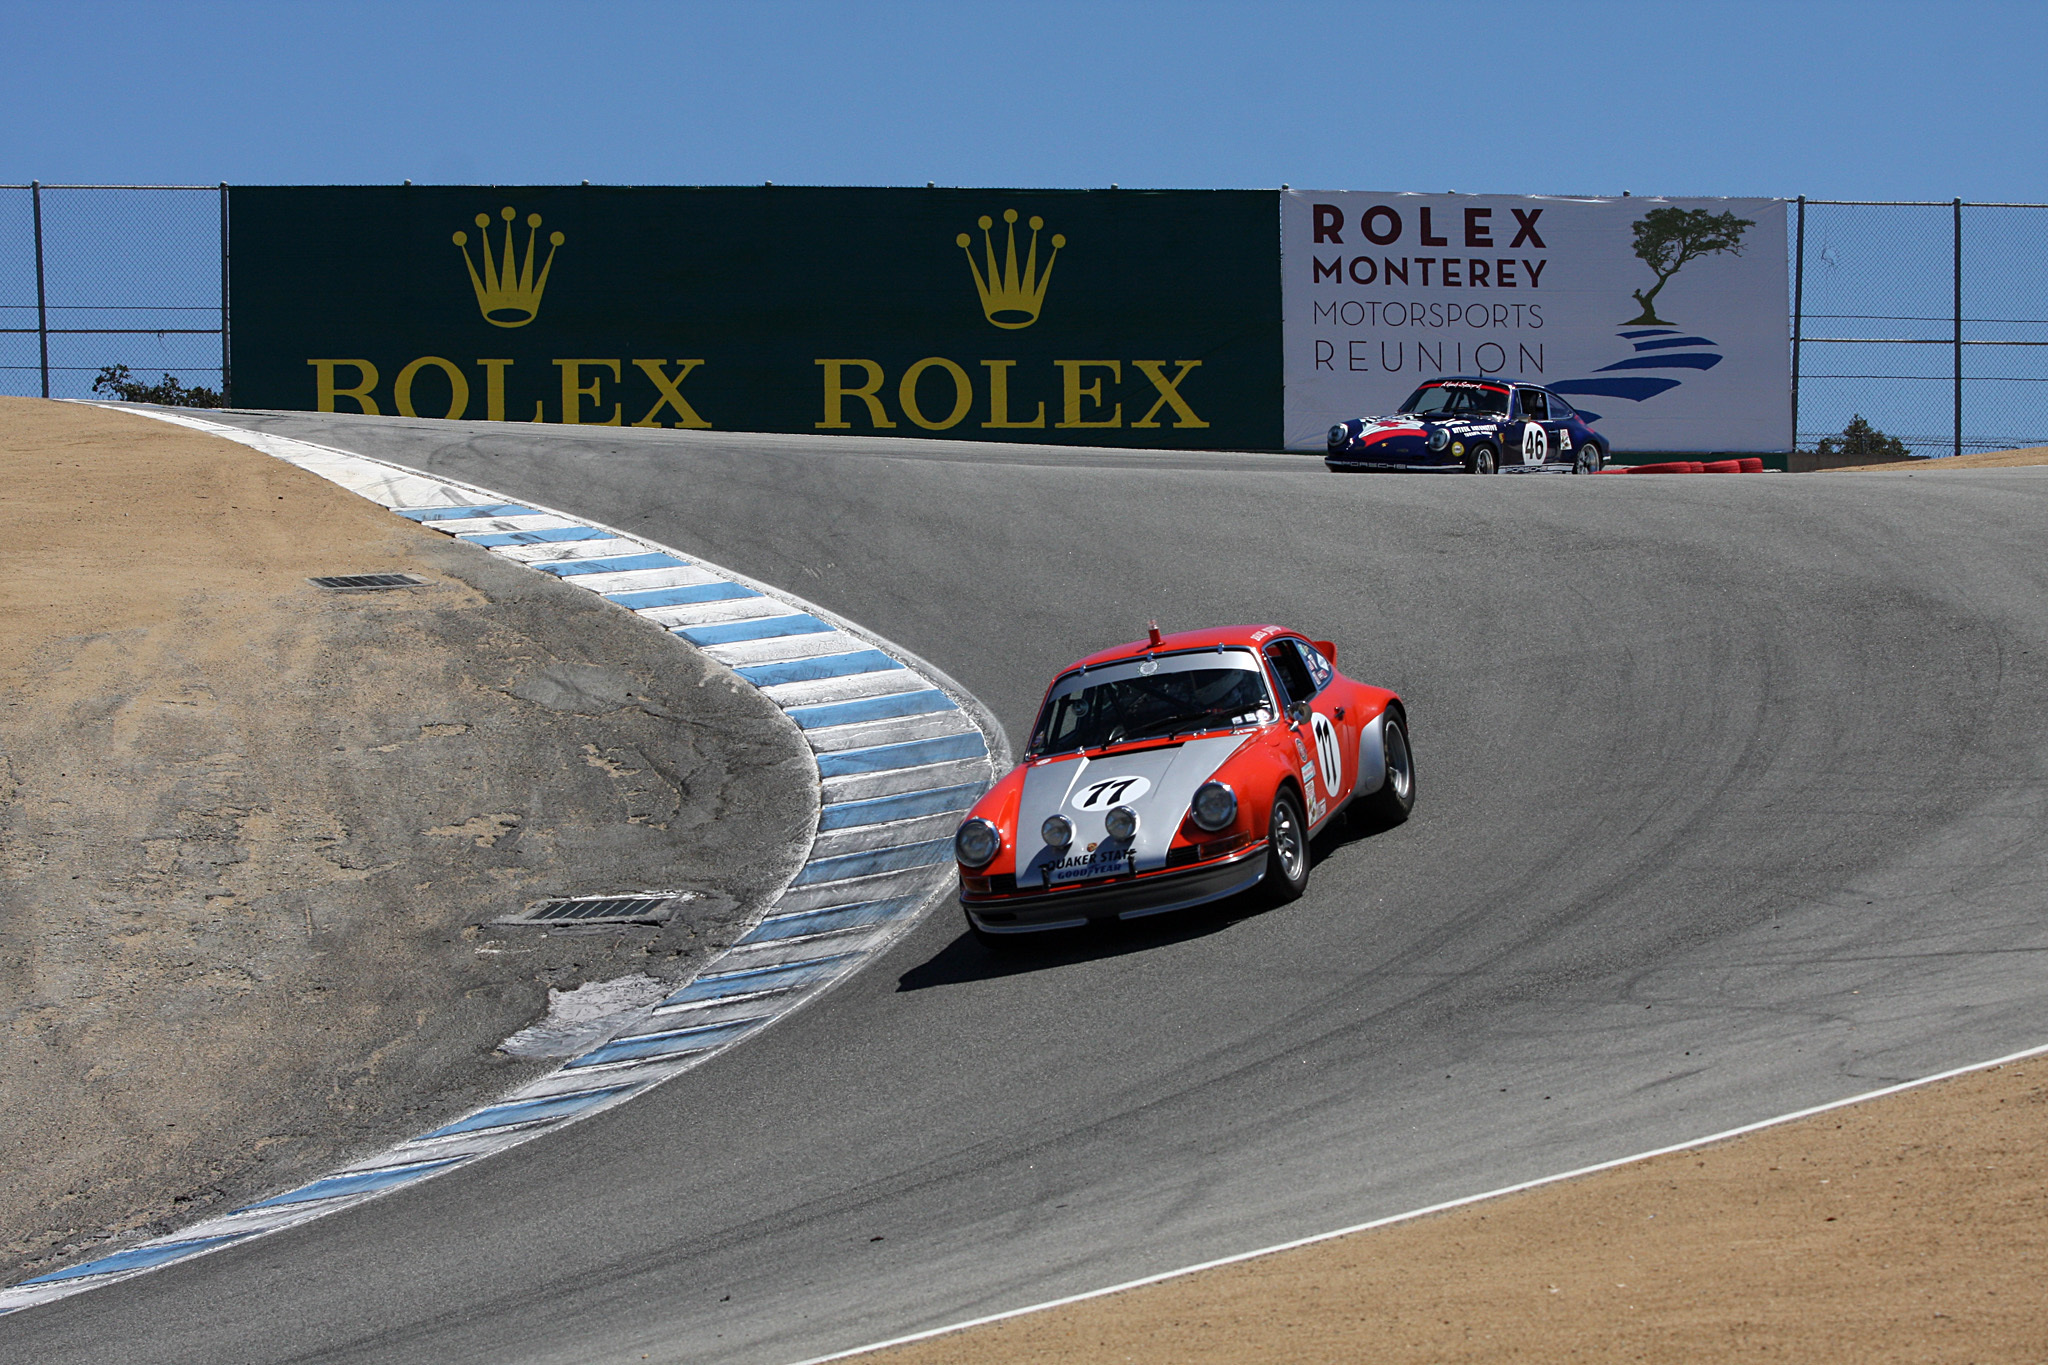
(253, 834)
(1908, 1228)
(1976, 459)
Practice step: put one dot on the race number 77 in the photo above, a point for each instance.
(1107, 792)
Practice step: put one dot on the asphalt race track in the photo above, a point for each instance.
(1732, 796)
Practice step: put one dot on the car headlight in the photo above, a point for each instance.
(1121, 822)
(977, 843)
(1058, 830)
(1214, 806)
(1340, 433)
(1438, 438)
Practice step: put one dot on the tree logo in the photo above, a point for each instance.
(1669, 237)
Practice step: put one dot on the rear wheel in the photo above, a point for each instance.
(1286, 849)
(1481, 460)
(1588, 461)
(1396, 797)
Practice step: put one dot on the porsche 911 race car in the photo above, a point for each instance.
(1474, 425)
(1177, 770)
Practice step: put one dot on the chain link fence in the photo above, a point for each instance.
(93, 276)
(1928, 320)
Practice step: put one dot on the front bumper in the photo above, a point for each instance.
(1408, 456)
(1027, 912)
(1395, 466)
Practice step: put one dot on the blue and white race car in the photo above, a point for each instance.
(1474, 425)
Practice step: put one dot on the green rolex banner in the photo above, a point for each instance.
(1098, 317)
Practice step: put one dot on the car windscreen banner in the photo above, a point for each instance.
(1107, 317)
(1666, 319)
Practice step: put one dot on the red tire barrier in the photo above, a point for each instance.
(1747, 465)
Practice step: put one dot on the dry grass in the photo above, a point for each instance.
(1912, 1228)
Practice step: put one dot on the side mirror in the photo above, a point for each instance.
(1327, 649)
(1298, 712)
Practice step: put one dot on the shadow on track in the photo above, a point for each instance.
(965, 960)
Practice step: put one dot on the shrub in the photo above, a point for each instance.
(115, 381)
(1862, 441)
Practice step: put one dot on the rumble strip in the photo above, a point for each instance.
(901, 752)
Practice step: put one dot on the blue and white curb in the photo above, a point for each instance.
(901, 752)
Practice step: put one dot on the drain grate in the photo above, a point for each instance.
(646, 907)
(367, 582)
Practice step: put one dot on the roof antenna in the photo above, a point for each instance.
(1152, 629)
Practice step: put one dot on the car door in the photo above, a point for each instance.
(1570, 428)
(1562, 425)
(1305, 676)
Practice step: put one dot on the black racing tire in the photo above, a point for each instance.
(1287, 854)
(1588, 460)
(1482, 459)
(1391, 804)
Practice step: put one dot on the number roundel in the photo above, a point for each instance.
(1109, 792)
(1329, 758)
(1535, 444)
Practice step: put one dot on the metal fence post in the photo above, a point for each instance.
(1798, 316)
(1959, 326)
(35, 191)
(227, 382)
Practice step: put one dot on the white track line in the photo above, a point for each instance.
(1448, 1204)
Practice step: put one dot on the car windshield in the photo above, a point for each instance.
(1148, 698)
(1451, 399)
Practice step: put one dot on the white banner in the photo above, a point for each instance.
(1667, 320)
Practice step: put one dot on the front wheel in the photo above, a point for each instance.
(1588, 461)
(1480, 460)
(1391, 804)
(1286, 849)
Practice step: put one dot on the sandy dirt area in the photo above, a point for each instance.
(1910, 1228)
(1976, 459)
(252, 834)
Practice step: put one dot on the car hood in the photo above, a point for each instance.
(1408, 421)
(1156, 783)
(1395, 426)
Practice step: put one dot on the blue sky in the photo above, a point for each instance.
(1883, 100)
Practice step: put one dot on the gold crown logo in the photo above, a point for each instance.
(1010, 299)
(507, 296)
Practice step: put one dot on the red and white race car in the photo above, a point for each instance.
(1178, 770)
